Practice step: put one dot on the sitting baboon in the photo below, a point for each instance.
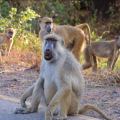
(60, 84)
(74, 37)
(7, 38)
(102, 49)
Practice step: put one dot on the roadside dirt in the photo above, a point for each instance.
(15, 79)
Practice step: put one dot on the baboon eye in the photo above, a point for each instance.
(54, 40)
(11, 32)
(48, 22)
(48, 39)
(51, 39)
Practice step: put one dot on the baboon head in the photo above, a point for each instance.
(10, 32)
(52, 46)
(118, 41)
(46, 23)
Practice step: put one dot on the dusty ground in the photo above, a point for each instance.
(15, 79)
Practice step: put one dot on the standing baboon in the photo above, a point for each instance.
(7, 38)
(60, 84)
(102, 49)
(74, 37)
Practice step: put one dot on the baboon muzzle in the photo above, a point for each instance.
(49, 29)
(48, 54)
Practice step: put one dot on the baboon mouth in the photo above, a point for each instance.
(49, 31)
(47, 56)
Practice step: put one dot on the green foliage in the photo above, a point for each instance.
(22, 22)
(66, 11)
(114, 18)
(69, 12)
(29, 42)
(4, 9)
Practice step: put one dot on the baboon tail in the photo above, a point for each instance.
(89, 106)
(81, 26)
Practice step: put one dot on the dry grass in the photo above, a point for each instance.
(102, 78)
(17, 57)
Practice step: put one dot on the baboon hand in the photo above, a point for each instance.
(23, 111)
(48, 115)
(23, 104)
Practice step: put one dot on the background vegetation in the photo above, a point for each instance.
(103, 17)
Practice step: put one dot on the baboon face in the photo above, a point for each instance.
(118, 41)
(48, 27)
(49, 51)
(52, 47)
(10, 32)
(46, 23)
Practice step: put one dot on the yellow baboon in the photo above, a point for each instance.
(60, 84)
(7, 38)
(74, 37)
(102, 49)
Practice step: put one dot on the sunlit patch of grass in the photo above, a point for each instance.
(103, 76)
(26, 48)
(17, 56)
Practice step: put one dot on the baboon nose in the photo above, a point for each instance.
(49, 30)
(47, 50)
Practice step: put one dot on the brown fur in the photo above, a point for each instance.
(60, 85)
(6, 39)
(102, 49)
(74, 37)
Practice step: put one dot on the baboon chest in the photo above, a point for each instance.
(50, 87)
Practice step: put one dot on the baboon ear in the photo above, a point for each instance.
(63, 42)
(5, 30)
(39, 20)
(54, 15)
(117, 37)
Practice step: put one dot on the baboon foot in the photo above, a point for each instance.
(21, 111)
(59, 117)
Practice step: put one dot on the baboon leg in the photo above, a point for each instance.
(115, 60)
(0, 48)
(78, 48)
(36, 97)
(9, 45)
(0, 54)
(94, 68)
(63, 108)
(109, 62)
(87, 64)
(26, 95)
(57, 99)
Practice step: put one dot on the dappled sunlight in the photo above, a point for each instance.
(21, 58)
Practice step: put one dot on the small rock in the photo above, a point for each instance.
(11, 85)
(5, 85)
(114, 92)
(15, 79)
(117, 112)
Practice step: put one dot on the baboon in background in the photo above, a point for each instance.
(102, 49)
(60, 84)
(7, 38)
(73, 36)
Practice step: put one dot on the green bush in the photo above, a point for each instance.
(24, 38)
